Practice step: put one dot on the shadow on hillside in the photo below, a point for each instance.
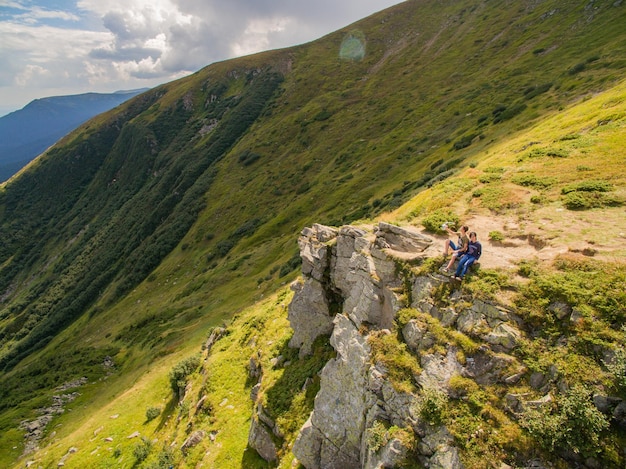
(299, 375)
(168, 412)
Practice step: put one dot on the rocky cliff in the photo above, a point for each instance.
(358, 286)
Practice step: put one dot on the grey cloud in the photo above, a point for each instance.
(134, 54)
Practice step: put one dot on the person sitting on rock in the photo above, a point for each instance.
(457, 249)
(474, 251)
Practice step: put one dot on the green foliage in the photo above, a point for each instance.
(178, 375)
(531, 180)
(496, 236)
(166, 459)
(464, 142)
(504, 113)
(280, 395)
(578, 282)
(290, 265)
(376, 436)
(434, 221)
(617, 368)
(152, 413)
(572, 422)
(590, 194)
(248, 157)
(589, 200)
(587, 186)
(402, 367)
(533, 91)
(142, 450)
(432, 404)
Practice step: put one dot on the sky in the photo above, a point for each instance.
(64, 47)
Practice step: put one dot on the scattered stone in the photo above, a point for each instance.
(254, 392)
(261, 440)
(401, 239)
(193, 440)
(216, 334)
(133, 435)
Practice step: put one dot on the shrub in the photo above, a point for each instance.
(491, 177)
(152, 413)
(533, 91)
(588, 186)
(464, 141)
(248, 157)
(496, 236)
(576, 69)
(290, 265)
(435, 221)
(376, 436)
(617, 368)
(142, 450)
(572, 423)
(509, 113)
(178, 375)
(589, 200)
(531, 180)
(432, 404)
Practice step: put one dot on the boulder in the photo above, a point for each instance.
(504, 335)
(261, 441)
(401, 239)
(308, 315)
(193, 440)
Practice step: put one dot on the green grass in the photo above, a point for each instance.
(339, 141)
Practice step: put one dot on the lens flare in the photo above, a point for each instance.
(353, 46)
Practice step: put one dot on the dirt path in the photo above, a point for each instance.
(543, 240)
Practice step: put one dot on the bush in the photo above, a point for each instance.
(572, 423)
(588, 186)
(531, 180)
(435, 221)
(376, 436)
(589, 200)
(152, 413)
(496, 236)
(508, 113)
(178, 375)
(617, 368)
(142, 450)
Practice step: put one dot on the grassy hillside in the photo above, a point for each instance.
(151, 224)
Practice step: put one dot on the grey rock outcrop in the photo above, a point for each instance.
(352, 289)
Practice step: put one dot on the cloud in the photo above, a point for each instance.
(27, 75)
(133, 43)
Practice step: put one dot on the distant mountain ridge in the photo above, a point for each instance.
(27, 132)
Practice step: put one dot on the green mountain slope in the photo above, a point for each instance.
(151, 224)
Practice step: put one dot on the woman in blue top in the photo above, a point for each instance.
(474, 250)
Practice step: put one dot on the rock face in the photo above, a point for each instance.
(352, 288)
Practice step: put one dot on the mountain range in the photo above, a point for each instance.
(148, 316)
(29, 131)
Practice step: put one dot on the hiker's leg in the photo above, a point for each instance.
(466, 265)
(452, 259)
(460, 266)
(448, 245)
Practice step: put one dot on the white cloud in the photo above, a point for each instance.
(121, 44)
(30, 72)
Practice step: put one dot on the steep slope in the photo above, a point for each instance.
(29, 131)
(150, 224)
